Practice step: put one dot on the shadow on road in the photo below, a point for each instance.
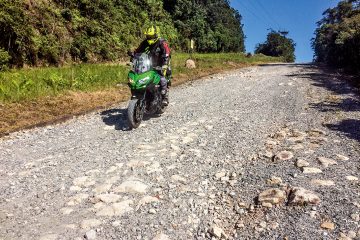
(350, 127)
(345, 105)
(116, 117)
(345, 97)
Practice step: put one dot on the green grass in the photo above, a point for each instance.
(28, 84)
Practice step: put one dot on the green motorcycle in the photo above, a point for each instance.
(144, 82)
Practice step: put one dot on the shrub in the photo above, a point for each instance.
(4, 59)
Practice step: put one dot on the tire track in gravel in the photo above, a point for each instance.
(193, 173)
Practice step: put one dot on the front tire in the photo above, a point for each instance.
(135, 113)
(161, 109)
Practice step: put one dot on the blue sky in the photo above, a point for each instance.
(299, 17)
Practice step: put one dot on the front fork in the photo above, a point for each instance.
(141, 103)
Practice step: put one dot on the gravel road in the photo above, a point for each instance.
(267, 152)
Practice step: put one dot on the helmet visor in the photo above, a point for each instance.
(151, 36)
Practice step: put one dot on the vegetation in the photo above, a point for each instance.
(337, 40)
(30, 84)
(54, 32)
(277, 44)
(213, 24)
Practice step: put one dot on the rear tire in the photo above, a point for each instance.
(134, 114)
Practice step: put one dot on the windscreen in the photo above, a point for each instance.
(141, 63)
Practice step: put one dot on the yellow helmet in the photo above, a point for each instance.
(152, 34)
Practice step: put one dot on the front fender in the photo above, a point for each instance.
(142, 80)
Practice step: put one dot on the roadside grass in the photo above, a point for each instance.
(28, 84)
(218, 60)
(39, 96)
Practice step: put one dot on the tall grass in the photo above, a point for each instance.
(27, 84)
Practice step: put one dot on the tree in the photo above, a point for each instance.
(213, 24)
(277, 44)
(337, 37)
(54, 32)
(15, 32)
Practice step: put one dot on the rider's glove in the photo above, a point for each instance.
(164, 69)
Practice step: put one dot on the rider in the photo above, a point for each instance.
(159, 51)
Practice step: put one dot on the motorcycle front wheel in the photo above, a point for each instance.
(161, 109)
(135, 113)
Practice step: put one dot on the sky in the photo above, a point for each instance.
(299, 17)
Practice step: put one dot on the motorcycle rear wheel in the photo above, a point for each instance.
(135, 113)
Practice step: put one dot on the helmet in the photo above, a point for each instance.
(152, 34)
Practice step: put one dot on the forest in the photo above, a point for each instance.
(56, 32)
(337, 38)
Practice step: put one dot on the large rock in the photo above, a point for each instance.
(316, 132)
(328, 225)
(161, 236)
(342, 157)
(77, 199)
(132, 186)
(83, 181)
(272, 195)
(297, 133)
(217, 232)
(108, 197)
(296, 139)
(310, 170)
(352, 178)
(66, 211)
(301, 196)
(137, 164)
(320, 182)
(90, 223)
(117, 209)
(102, 188)
(90, 235)
(190, 64)
(326, 161)
(284, 155)
(220, 174)
(302, 163)
(274, 180)
(49, 237)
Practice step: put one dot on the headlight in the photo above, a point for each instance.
(130, 81)
(144, 80)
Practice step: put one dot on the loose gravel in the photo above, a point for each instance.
(197, 171)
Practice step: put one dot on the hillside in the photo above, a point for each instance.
(54, 32)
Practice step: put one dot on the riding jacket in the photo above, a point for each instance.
(159, 52)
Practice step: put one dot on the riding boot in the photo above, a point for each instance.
(165, 97)
(164, 91)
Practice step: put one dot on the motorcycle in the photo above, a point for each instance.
(144, 83)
